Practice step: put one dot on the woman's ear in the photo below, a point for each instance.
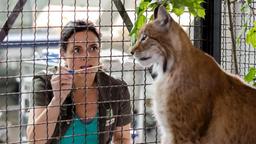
(62, 54)
(63, 58)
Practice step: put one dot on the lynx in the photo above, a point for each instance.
(195, 101)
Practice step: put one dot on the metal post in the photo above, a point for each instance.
(121, 9)
(209, 29)
(11, 19)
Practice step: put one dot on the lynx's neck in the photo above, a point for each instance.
(162, 67)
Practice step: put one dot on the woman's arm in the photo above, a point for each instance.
(42, 122)
(122, 135)
(42, 119)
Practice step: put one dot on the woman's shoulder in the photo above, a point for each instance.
(45, 74)
(113, 88)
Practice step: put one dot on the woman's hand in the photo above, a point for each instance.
(122, 135)
(61, 84)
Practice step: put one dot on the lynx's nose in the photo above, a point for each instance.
(131, 49)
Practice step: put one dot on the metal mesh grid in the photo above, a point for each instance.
(33, 42)
(245, 53)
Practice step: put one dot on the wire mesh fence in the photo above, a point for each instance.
(32, 49)
(241, 21)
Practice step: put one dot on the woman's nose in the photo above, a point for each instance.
(86, 55)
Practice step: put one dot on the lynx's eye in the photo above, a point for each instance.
(143, 37)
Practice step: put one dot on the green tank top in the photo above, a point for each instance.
(80, 132)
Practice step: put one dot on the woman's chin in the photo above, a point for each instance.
(84, 79)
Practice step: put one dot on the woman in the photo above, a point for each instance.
(79, 103)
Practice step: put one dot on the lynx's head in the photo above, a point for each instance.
(160, 41)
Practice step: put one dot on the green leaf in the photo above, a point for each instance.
(201, 13)
(178, 11)
(143, 6)
(148, 1)
(152, 6)
(251, 36)
(244, 7)
(244, 29)
(138, 24)
(251, 75)
(134, 30)
(249, 1)
(192, 11)
(141, 21)
(133, 39)
(168, 8)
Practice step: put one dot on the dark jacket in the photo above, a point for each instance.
(114, 104)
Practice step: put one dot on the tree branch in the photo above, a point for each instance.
(232, 37)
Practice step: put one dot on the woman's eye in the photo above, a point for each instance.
(76, 50)
(94, 48)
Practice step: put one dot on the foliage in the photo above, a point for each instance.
(250, 33)
(250, 77)
(251, 36)
(176, 6)
(246, 8)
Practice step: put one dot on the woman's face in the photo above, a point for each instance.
(82, 50)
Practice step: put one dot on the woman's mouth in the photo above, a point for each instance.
(85, 67)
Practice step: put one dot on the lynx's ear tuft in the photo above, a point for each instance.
(162, 18)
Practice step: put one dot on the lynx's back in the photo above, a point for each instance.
(195, 101)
